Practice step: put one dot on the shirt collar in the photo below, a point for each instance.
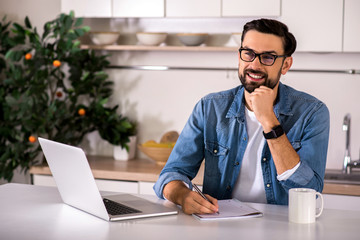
(281, 107)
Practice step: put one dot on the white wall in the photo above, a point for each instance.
(162, 100)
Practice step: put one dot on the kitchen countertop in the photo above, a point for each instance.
(37, 212)
(132, 170)
(148, 171)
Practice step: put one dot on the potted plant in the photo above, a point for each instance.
(51, 87)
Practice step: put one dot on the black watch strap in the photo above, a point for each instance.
(275, 132)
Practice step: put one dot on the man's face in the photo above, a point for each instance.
(254, 74)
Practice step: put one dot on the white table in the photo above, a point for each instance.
(36, 212)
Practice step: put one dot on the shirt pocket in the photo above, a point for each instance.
(215, 155)
(296, 145)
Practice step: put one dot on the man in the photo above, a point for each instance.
(258, 140)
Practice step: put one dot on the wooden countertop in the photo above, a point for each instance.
(148, 171)
(107, 168)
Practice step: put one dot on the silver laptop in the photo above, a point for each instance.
(77, 187)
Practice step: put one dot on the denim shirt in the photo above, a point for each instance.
(216, 131)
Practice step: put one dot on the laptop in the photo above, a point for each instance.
(76, 184)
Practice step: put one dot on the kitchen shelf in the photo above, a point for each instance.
(192, 49)
(160, 48)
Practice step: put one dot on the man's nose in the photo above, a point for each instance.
(256, 64)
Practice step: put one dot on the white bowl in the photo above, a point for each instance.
(237, 38)
(151, 38)
(192, 39)
(104, 38)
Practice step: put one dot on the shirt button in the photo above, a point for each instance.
(228, 188)
(237, 163)
(244, 138)
(264, 159)
(215, 151)
(267, 185)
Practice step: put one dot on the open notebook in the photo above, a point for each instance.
(230, 209)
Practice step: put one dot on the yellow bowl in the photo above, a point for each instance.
(159, 154)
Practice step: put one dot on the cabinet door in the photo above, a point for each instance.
(146, 188)
(117, 186)
(352, 26)
(246, 8)
(193, 8)
(87, 8)
(316, 24)
(138, 8)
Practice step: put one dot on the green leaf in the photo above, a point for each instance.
(86, 29)
(76, 44)
(27, 22)
(19, 28)
(9, 54)
(79, 32)
(103, 101)
(72, 14)
(78, 22)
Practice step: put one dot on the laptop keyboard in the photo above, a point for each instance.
(115, 208)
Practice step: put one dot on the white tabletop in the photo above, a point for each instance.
(35, 212)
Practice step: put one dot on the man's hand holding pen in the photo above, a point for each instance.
(190, 201)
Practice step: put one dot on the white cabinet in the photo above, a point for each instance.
(193, 8)
(103, 185)
(316, 24)
(87, 8)
(146, 188)
(342, 202)
(117, 186)
(246, 8)
(352, 26)
(138, 8)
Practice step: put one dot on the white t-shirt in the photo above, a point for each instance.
(250, 183)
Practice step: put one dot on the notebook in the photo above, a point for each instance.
(76, 184)
(231, 209)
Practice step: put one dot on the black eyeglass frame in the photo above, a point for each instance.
(259, 56)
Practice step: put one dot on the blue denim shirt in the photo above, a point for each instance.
(216, 131)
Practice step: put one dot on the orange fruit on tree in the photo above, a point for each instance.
(32, 139)
(56, 63)
(28, 56)
(81, 112)
(59, 94)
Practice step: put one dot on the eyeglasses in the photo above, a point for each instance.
(267, 59)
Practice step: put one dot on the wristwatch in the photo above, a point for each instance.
(275, 132)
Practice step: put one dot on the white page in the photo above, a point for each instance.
(230, 208)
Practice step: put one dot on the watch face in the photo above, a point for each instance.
(276, 132)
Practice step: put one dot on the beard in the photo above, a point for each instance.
(252, 85)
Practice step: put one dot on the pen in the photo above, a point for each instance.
(197, 189)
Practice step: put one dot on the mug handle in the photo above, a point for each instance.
(322, 204)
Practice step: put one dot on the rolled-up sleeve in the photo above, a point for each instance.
(312, 150)
(187, 155)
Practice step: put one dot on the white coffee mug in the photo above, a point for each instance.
(302, 205)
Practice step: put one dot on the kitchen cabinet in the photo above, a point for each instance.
(138, 8)
(245, 8)
(352, 26)
(103, 185)
(316, 24)
(333, 201)
(87, 8)
(193, 8)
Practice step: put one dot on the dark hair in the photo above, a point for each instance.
(275, 27)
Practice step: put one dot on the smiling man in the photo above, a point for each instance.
(258, 140)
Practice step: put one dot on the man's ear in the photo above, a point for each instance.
(286, 65)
